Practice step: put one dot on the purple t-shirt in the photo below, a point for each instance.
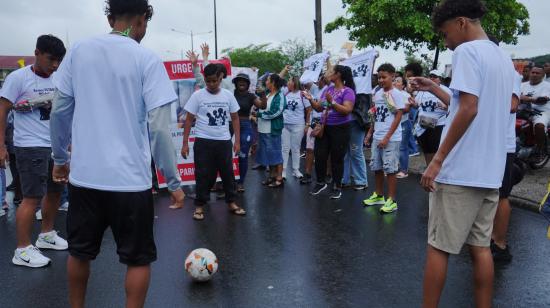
(339, 97)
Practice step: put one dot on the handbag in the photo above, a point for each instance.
(319, 129)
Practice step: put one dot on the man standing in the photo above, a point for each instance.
(118, 113)
(33, 150)
(547, 71)
(468, 168)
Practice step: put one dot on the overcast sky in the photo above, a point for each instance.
(240, 23)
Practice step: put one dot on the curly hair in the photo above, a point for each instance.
(449, 9)
(118, 8)
(415, 68)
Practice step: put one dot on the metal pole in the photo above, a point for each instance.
(318, 27)
(192, 47)
(215, 31)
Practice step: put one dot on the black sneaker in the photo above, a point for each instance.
(319, 187)
(499, 254)
(360, 187)
(336, 194)
(306, 179)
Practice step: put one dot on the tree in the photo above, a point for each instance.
(425, 61)
(297, 51)
(261, 56)
(407, 24)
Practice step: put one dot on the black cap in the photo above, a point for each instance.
(241, 76)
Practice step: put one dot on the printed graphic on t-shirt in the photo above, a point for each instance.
(291, 104)
(382, 113)
(217, 116)
(360, 71)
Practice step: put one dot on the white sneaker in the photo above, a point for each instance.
(64, 207)
(38, 214)
(30, 256)
(51, 240)
(2, 212)
(297, 174)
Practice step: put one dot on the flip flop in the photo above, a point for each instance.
(198, 215)
(239, 211)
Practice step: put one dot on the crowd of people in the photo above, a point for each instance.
(329, 123)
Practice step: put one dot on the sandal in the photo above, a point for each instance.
(240, 188)
(268, 181)
(198, 214)
(239, 211)
(277, 184)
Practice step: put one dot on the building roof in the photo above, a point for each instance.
(11, 62)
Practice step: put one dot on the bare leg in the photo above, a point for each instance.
(379, 179)
(49, 210)
(78, 272)
(137, 283)
(279, 172)
(392, 186)
(502, 220)
(309, 161)
(435, 273)
(24, 219)
(482, 260)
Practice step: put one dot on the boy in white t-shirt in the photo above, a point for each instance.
(389, 103)
(212, 107)
(468, 168)
(33, 149)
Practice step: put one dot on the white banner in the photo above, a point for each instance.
(362, 65)
(252, 74)
(313, 67)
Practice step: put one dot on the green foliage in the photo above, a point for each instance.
(407, 24)
(297, 51)
(425, 61)
(263, 57)
(541, 59)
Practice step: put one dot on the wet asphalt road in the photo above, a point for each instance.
(291, 250)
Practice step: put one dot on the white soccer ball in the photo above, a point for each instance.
(201, 264)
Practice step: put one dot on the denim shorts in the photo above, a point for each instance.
(386, 159)
(35, 166)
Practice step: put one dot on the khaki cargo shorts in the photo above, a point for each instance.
(461, 215)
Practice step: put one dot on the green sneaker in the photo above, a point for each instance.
(389, 207)
(374, 199)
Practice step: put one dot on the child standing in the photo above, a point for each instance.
(389, 103)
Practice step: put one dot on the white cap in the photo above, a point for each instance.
(437, 73)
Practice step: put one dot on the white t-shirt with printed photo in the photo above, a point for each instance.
(482, 69)
(32, 129)
(540, 90)
(384, 117)
(213, 112)
(115, 83)
(295, 108)
(431, 106)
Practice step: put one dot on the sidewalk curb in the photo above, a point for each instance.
(524, 203)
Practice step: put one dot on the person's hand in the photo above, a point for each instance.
(307, 95)
(4, 156)
(412, 102)
(185, 150)
(541, 100)
(368, 137)
(193, 57)
(254, 68)
(384, 143)
(205, 50)
(177, 197)
(60, 174)
(428, 177)
(288, 67)
(328, 97)
(237, 147)
(421, 84)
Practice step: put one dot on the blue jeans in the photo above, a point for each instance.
(354, 161)
(404, 148)
(3, 188)
(65, 195)
(413, 147)
(246, 141)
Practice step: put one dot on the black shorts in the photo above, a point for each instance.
(35, 165)
(129, 214)
(429, 140)
(506, 188)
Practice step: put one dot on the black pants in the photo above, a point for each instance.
(335, 142)
(16, 183)
(211, 157)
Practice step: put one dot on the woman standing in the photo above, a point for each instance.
(270, 127)
(337, 103)
(246, 101)
(296, 120)
(406, 128)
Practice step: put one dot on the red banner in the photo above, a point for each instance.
(184, 69)
(187, 173)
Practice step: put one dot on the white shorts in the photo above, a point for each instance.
(310, 141)
(543, 119)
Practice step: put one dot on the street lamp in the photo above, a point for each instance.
(190, 34)
(215, 31)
